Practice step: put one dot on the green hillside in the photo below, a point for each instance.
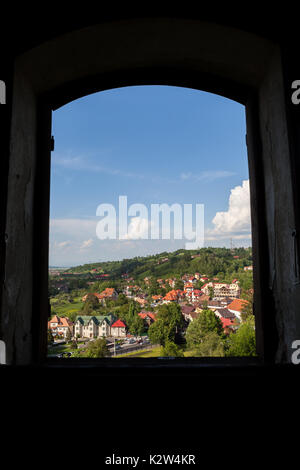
(224, 263)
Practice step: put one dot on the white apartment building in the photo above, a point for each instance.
(95, 326)
(222, 290)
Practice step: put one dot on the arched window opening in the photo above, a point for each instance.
(150, 249)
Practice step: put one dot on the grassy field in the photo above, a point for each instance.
(63, 309)
(54, 350)
(59, 349)
(155, 352)
(189, 353)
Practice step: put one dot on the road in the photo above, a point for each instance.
(125, 348)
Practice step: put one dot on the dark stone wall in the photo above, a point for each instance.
(250, 61)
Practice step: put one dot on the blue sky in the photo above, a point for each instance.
(154, 144)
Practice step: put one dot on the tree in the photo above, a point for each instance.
(198, 284)
(247, 309)
(68, 336)
(91, 304)
(50, 337)
(168, 321)
(154, 287)
(206, 322)
(211, 346)
(158, 332)
(121, 300)
(242, 343)
(97, 348)
(72, 315)
(179, 284)
(171, 349)
(211, 292)
(136, 326)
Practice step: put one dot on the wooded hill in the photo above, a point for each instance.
(224, 263)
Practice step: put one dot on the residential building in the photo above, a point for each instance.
(248, 268)
(174, 296)
(228, 326)
(95, 326)
(206, 288)
(189, 312)
(227, 290)
(202, 302)
(225, 313)
(91, 293)
(236, 307)
(217, 304)
(148, 317)
(141, 300)
(118, 329)
(60, 326)
(222, 290)
(156, 299)
(108, 294)
(131, 290)
(188, 286)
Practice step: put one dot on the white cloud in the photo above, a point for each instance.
(208, 175)
(63, 244)
(87, 244)
(237, 218)
(80, 163)
(186, 176)
(76, 229)
(234, 223)
(138, 228)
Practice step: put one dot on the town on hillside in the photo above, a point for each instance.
(155, 306)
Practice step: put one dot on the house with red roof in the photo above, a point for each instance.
(148, 317)
(108, 294)
(205, 288)
(131, 289)
(118, 329)
(248, 268)
(60, 326)
(188, 287)
(196, 295)
(157, 298)
(227, 324)
(171, 296)
(91, 293)
(236, 306)
(141, 300)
